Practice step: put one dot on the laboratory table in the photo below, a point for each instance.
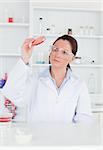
(50, 134)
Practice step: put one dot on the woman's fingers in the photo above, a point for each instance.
(31, 43)
(28, 42)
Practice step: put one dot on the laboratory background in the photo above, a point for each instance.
(81, 19)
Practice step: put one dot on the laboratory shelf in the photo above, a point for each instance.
(14, 25)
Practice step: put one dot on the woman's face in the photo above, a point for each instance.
(61, 54)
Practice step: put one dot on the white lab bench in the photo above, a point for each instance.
(53, 134)
(50, 134)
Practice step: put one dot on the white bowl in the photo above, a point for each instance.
(23, 139)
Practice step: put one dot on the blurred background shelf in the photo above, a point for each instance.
(14, 25)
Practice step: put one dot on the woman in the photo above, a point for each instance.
(56, 94)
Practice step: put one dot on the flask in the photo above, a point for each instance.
(91, 83)
(5, 115)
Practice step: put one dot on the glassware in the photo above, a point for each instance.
(52, 28)
(5, 115)
(81, 30)
(91, 30)
(77, 60)
(48, 30)
(3, 80)
(10, 17)
(91, 83)
(5, 133)
(69, 31)
(40, 25)
(23, 135)
(6, 12)
(86, 30)
(21, 113)
(40, 58)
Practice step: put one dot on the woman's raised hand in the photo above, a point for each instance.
(28, 45)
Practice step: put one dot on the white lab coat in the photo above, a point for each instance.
(41, 96)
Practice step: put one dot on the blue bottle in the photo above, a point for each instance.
(3, 80)
(2, 83)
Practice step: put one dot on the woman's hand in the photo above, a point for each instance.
(28, 45)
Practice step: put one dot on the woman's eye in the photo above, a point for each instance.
(64, 52)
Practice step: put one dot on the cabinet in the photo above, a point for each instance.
(12, 34)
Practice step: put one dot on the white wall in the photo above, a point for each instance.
(83, 4)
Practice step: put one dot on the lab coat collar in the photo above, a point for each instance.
(46, 74)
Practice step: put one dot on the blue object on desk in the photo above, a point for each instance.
(2, 83)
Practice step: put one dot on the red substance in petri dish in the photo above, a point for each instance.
(5, 119)
(38, 40)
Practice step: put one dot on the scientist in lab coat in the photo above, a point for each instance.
(56, 94)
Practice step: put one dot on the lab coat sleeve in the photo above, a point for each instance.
(83, 109)
(15, 85)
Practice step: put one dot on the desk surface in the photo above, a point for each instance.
(42, 134)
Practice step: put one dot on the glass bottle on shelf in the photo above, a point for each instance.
(40, 58)
(3, 80)
(86, 30)
(10, 18)
(81, 30)
(91, 30)
(48, 30)
(3, 73)
(77, 60)
(53, 29)
(69, 31)
(40, 25)
(5, 19)
(92, 83)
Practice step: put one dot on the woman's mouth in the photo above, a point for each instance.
(56, 60)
